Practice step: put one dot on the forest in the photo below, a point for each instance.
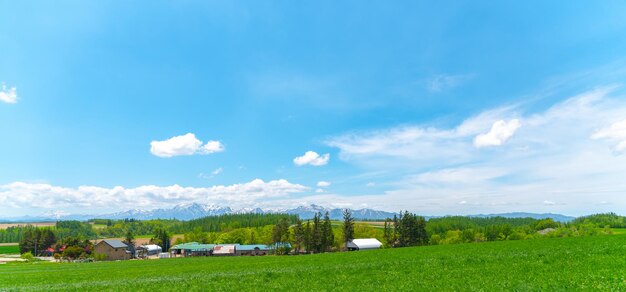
(311, 236)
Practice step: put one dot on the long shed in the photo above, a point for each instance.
(363, 244)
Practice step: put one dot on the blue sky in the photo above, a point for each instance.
(447, 108)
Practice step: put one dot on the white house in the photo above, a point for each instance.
(363, 244)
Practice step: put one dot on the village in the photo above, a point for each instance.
(114, 249)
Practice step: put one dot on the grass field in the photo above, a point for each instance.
(543, 264)
(10, 249)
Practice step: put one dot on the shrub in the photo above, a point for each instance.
(28, 256)
(99, 257)
(435, 239)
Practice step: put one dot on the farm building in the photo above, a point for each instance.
(197, 249)
(252, 249)
(113, 249)
(191, 249)
(152, 249)
(363, 244)
(225, 250)
(146, 250)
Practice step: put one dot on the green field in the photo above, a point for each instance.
(11, 249)
(543, 264)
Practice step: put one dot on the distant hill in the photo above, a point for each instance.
(555, 217)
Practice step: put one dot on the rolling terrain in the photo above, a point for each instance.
(582, 263)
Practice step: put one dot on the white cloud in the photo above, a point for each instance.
(616, 133)
(212, 147)
(500, 132)
(552, 154)
(217, 171)
(311, 158)
(442, 82)
(186, 144)
(8, 95)
(319, 190)
(549, 203)
(46, 196)
(323, 184)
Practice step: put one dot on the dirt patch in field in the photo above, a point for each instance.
(9, 244)
(37, 224)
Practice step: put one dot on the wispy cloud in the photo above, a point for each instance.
(616, 133)
(186, 144)
(8, 94)
(442, 82)
(565, 151)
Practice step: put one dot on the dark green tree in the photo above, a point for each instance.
(389, 233)
(280, 232)
(130, 241)
(308, 243)
(327, 234)
(348, 227)
(316, 234)
(298, 236)
(162, 238)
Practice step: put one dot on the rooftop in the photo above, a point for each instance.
(114, 243)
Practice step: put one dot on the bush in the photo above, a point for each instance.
(517, 236)
(72, 252)
(99, 257)
(28, 256)
(435, 239)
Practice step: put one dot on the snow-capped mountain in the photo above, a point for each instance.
(180, 212)
(195, 210)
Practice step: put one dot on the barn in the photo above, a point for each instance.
(225, 249)
(113, 249)
(363, 244)
(191, 249)
(252, 249)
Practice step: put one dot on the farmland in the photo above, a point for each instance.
(37, 224)
(594, 262)
(9, 249)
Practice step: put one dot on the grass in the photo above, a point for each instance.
(10, 249)
(583, 263)
(618, 230)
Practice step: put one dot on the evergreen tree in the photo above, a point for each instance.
(130, 241)
(308, 244)
(316, 234)
(348, 227)
(298, 235)
(327, 234)
(162, 238)
(388, 233)
(37, 240)
(410, 230)
(280, 233)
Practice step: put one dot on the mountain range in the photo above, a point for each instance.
(195, 210)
